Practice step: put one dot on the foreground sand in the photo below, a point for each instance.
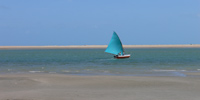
(68, 87)
(99, 46)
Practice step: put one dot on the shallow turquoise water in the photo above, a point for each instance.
(143, 62)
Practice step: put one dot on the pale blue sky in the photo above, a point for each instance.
(90, 22)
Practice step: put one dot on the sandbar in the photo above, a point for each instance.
(99, 46)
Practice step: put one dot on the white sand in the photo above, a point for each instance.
(67, 87)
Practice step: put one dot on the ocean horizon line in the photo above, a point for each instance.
(101, 46)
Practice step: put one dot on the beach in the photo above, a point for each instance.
(74, 87)
(100, 46)
(87, 73)
(99, 50)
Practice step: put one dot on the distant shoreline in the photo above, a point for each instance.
(99, 46)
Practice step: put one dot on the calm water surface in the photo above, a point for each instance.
(143, 62)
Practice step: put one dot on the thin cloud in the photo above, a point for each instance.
(69, 0)
(4, 7)
(198, 15)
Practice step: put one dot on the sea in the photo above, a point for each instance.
(143, 62)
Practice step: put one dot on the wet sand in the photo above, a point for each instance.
(69, 87)
(99, 46)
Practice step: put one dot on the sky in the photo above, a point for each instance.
(92, 22)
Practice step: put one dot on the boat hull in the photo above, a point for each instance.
(122, 56)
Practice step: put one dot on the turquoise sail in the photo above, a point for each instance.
(115, 45)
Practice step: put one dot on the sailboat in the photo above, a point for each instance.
(115, 47)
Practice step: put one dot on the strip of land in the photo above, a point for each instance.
(69, 87)
(99, 46)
